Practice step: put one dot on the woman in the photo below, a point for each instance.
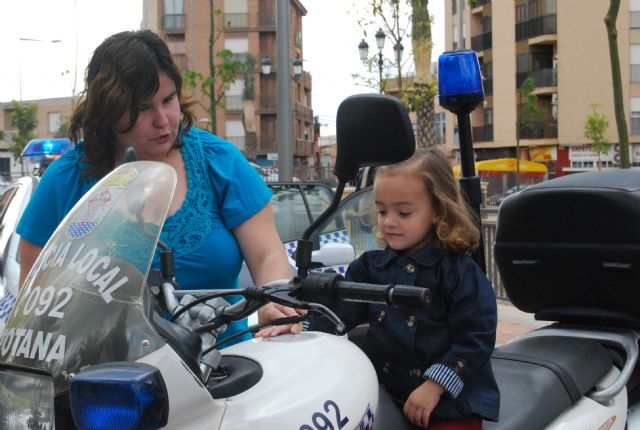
(220, 212)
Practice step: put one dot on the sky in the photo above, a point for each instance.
(67, 31)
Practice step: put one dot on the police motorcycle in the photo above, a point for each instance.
(568, 252)
(98, 341)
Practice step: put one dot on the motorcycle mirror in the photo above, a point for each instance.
(372, 130)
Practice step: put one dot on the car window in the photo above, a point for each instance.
(10, 208)
(352, 223)
(295, 206)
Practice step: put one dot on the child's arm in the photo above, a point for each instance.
(421, 403)
(472, 319)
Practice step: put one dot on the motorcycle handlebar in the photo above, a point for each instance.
(320, 286)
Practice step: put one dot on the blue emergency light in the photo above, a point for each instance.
(46, 147)
(121, 395)
(459, 81)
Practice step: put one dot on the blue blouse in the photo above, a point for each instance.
(224, 191)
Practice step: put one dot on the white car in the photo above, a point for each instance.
(12, 203)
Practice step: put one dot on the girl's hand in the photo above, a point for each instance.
(273, 311)
(421, 402)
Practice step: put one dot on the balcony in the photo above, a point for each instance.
(305, 112)
(267, 144)
(541, 78)
(540, 130)
(635, 73)
(303, 148)
(483, 133)
(267, 102)
(481, 42)
(232, 103)
(236, 20)
(634, 19)
(267, 19)
(173, 23)
(537, 26)
(634, 129)
(238, 141)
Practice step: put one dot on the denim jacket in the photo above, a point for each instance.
(452, 339)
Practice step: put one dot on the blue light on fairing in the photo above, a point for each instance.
(128, 396)
(459, 81)
(46, 147)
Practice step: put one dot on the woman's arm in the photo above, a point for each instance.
(28, 255)
(267, 261)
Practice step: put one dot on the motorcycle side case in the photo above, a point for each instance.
(569, 249)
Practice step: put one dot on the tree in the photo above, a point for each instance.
(63, 129)
(23, 117)
(618, 101)
(424, 88)
(528, 113)
(214, 86)
(595, 126)
(248, 111)
(401, 19)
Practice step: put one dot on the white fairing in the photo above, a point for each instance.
(309, 377)
(589, 414)
(190, 404)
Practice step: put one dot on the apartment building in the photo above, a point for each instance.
(50, 114)
(248, 27)
(562, 45)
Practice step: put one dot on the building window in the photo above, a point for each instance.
(634, 61)
(235, 133)
(233, 96)
(454, 7)
(236, 13)
(635, 116)
(634, 14)
(239, 46)
(54, 122)
(488, 116)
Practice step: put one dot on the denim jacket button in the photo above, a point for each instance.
(381, 316)
(410, 268)
(411, 321)
(385, 368)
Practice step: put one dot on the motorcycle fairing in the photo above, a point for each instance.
(82, 302)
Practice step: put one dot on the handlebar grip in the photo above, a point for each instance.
(398, 296)
(328, 287)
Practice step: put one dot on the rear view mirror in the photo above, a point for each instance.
(372, 130)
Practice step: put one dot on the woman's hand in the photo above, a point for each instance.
(421, 402)
(273, 311)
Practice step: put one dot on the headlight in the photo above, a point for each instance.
(26, 401)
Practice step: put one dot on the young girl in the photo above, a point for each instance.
(433, 362)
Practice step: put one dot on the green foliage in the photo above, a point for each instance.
(528, 109)
(1, 134)
(23, 117)
(225, 74)
(595, 126)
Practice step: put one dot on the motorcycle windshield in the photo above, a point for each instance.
(82, 303)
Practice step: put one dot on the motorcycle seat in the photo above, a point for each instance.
(541, 377)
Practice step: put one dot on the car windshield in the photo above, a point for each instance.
(295, 206)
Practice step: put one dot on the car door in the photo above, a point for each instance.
(12, 203)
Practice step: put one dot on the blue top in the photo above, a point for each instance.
(450, 342)
(224, 191)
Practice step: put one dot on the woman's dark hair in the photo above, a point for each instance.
(122, 74)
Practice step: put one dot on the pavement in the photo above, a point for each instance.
(513, 322)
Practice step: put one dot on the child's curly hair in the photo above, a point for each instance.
(455, 228)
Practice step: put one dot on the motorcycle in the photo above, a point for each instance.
(98, 340)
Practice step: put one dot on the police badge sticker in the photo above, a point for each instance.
(92, 212)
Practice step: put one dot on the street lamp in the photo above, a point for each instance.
(297, 66)
(363, 48)
(27, 39)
